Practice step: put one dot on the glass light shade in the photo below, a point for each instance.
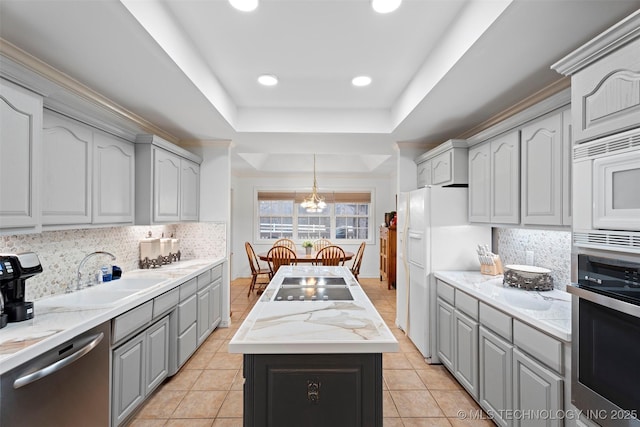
(267, 80)
(385, 6)
(361, 81)
(244, 5)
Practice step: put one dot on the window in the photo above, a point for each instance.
(276, 219)
(346, 217)
(352, 221)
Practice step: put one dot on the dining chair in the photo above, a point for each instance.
(256, 269)
(357, 261)
(280, 255)
(286, 242)
(321, 243)
(330, 255)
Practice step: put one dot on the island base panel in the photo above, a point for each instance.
(313, 390)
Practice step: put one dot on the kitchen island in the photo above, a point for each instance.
(312, 349)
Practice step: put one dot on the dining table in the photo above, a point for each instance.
(303, 257)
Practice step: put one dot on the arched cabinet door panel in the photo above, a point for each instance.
(113, 180)
(605, 96)
(20, 148)
(542, 171)
(67, 150)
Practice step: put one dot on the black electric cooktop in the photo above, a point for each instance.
(314, 281)
(313, 289)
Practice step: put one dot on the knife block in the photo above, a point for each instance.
(493, 269)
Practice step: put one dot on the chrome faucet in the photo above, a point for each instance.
(84, 260)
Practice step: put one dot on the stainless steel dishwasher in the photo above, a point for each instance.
(67, 386)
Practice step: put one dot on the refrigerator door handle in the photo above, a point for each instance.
(405, 263)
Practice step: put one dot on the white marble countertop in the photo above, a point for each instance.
(548, 311)
(62, 317)
(304, 327)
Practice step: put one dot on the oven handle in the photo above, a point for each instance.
(60, 364)
(605, 301)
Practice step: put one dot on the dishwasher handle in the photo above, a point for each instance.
(60, 364)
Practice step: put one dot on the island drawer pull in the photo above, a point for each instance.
(313, 391)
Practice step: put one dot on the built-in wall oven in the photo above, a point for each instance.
(606, 340)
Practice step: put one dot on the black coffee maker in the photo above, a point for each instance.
(15, 269)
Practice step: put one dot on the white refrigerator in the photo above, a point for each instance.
(433, 234)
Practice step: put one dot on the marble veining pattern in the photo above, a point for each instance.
(551, 248)
(549, 311)
(313, 326)
(318, 323)
(60, 252)
(54, 324)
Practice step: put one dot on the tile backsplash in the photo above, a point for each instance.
(551, 249)
(60, 252)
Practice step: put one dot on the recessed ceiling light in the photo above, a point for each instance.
(244, 5)
(361, 81)
(268, 80)
(385, 6)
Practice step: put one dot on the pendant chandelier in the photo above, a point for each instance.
(314, 202)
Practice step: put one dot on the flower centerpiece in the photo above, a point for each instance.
(307, 245)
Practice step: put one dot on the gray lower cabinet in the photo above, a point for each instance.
(139, 366)
(536, 388)
(215, 310)
(495, 384)
(466, 352)
(187, 328)
(444, 336)
(513, 370)
(157, 354)
(204, 313)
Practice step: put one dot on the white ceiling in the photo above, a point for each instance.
(439, 67)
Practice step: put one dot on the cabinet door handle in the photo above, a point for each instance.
(313, 391)
(60, 364)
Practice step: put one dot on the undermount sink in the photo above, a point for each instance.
(137, 283)
(104, 294)
(92, 297)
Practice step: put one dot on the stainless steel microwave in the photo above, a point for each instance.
(606, 193)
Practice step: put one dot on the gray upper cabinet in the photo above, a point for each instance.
(20, 150)
(505, 179)
(494, 184)
(567, 166)
(605, 81)
(480, 183)
(424, 173)
(447, 164)
(113, 180)
(166, 189)
(167, 182)
(189, 190)
(542, 171)
(68, 149)
(606, 94)
(88, 175)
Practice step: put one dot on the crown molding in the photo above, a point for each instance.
(618, 35)
(67, 96)
(556, 95)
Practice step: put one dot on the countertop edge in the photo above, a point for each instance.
(384, 344)
(539, 324)
(103, 314)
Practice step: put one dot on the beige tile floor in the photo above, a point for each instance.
(208, 389)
